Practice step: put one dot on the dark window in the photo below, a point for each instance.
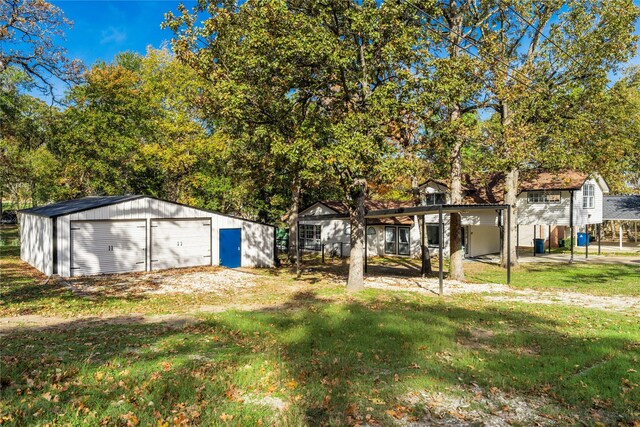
(433, 234)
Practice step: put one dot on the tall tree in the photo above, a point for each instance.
(454, 78)
(324, 71)
(28, 33)
(28, 170)
(548, 60)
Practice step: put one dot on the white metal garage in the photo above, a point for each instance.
(118, 234)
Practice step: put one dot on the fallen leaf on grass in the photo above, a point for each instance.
(226, 417)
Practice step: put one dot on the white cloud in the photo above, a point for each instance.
(113, 35)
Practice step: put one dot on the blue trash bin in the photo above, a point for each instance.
(539, 246)
(582, 239)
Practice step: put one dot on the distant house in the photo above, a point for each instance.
(544, 209)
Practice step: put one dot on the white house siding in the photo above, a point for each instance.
(257, 239)
(583, 216)
(543, 213)
(36, 238)
(334, 232)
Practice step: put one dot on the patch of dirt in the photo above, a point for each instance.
(272, 402)
(479, 407)
(186, 281)
(431, 285)
(36, 322)
(607, 303)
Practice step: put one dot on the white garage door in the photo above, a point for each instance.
(180, 243)
(104, 247)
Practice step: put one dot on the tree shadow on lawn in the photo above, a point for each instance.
(310, 362)
(24, 285)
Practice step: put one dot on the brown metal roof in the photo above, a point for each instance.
(369, 205)
(489, 187)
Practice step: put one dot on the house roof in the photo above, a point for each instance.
(489, 187)
(372, 205)
(67, 207)
(624, 208)
(369, 205)
(569, 180)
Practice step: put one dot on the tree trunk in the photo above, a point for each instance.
(456, 271)
(293, 219)
(355, 282)
(510, 198)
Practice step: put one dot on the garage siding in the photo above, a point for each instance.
(36, 238)
(257, 239)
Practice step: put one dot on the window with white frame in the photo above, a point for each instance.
(543, 197)
(435, 199)
(390, 237)
(310, 236)
(588, 196)
(397, 240)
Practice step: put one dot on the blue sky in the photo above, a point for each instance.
(102, 28)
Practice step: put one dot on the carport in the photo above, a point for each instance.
(622, 209)
(501, 209)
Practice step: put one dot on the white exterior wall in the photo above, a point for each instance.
(543, 213)
(334, 231)
(583, 216)
(36, 239)
(257, 239)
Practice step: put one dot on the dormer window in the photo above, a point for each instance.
(588, 196)
(435, 199)
(543, 197)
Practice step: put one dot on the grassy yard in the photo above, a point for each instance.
(595, 279)
(302, 352)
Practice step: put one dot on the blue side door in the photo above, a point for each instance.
(230, 243)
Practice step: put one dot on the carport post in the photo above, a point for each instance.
(508, 244)
(440, 263)
(620, 233)
(297, 255)
(366, 238)
(571, 224)
(322, 249)
(534, 239)
(549, 239)
(598, 228)
(586, 244)
(517, 240)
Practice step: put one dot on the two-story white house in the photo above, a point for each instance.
(548, 204)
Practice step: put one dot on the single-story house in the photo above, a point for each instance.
(120, 234)
(547, 204)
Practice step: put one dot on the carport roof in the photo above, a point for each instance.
(623, 208)
(67, 207)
